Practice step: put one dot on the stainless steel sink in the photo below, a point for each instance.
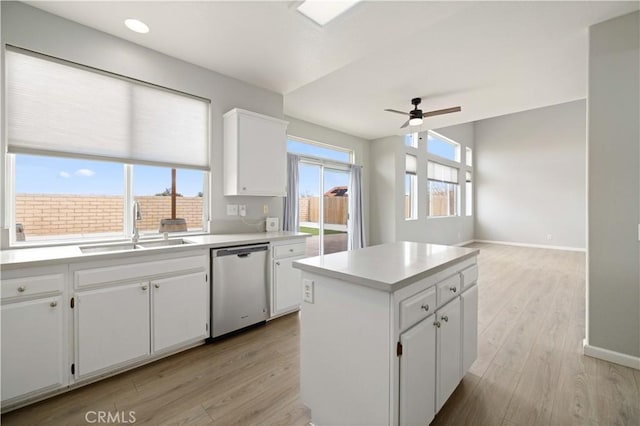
(163, 243)
(104, 248)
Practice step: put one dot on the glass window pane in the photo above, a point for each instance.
(411, 139)
(411, 164)
(469, 195)
(61, 198)
(309, 205)
(469, 157)
(336, 208)
(311, 150)
(441, 172)
(152, 189)
(410, 196)
(443, 199)
(443, 147)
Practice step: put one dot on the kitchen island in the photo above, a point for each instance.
(387, 332)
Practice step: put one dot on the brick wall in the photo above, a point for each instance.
(45, 214)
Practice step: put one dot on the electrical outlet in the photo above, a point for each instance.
(232, 210)
(307, 290)
(242, 210)
(265, 209)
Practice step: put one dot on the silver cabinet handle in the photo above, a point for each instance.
(291, 250)
(53, 304)
(144, 287)
(21, 289)
(445, 318)
(437, 324)
(453, 289)
(156, 285)
(425, 307)
(277, 263)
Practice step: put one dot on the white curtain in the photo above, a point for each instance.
(290, 222)
(356, 222)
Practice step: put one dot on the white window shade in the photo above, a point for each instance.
(62, 109)
(442, 173)
(411, 164)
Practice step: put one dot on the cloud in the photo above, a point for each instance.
(64, 175)
(84, 172)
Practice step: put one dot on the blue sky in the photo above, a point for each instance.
(50, 175)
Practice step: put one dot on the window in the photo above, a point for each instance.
(469, 194)
(410, 188)
(74, 136)
(152, 189)
(412, 139)
(469, 157)
(443, 147)
(319, 151)
(443, 190)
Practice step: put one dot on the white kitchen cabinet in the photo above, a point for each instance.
(179, 314)
(418, 373)
(469, 301)
(286, 294)
(34, 332)
(448, 346)
(32, 346)
(255, 153)
(112, 326)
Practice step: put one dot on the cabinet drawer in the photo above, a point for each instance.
(29, 286)
(469, 275)
(289, 250)
(417, 307)
(448, 289)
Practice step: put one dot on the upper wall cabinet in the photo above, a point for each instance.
(255, 154)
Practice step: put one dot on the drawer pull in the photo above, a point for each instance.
(156, 285)
(453, 289)
(425, 307)
(21, 289)
(53, 304)
(291, 250)
(437, 324)
(445, 318)
(144, 287)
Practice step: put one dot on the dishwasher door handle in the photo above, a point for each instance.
(244, 254)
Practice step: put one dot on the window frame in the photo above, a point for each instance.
(453, 165)
(127, 225)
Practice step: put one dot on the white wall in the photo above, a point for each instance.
(613, 320)
(31, 28)
(360, 147)
(530, 176)
(387, 196)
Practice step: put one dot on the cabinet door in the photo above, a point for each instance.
(287, 289)
(32, 346)
(262, 153)
(112, 326)
(180, 310)
(448, 337)
(469, 327)
(418, 373)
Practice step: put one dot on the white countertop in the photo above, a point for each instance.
(42, 256)
(387, 267)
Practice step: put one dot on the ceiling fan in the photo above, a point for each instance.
(416, 115)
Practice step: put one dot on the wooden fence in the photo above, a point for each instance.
(335, 209)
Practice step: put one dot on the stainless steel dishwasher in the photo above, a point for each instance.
(238, 288)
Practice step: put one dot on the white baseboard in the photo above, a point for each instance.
(508, 243)
(464, 243)
(611, 356)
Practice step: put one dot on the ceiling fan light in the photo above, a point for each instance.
(416, 121)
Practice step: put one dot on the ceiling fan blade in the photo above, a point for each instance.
(405, 124)
(442, 111)
(397, 112)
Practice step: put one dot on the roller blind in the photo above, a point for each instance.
(63, 109)
(411, 164)
(442, 173)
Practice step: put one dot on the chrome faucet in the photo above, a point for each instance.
(137, 215)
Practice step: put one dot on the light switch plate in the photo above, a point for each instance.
(232, 210)
(242, 210)
(307, 290)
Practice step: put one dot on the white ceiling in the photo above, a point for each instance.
(492, 58)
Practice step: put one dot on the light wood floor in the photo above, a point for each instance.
(530, 369)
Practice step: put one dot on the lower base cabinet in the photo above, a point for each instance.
(448, 346)
(32, 346)
(112, 326)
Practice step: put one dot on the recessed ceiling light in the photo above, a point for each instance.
(323, 11)
(136, 25)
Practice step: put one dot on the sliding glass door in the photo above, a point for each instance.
(323, 202)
